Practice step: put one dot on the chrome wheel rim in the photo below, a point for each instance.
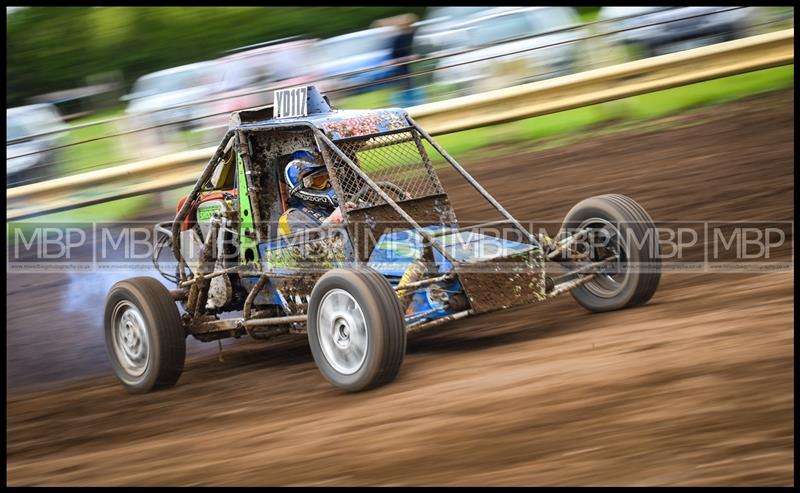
(130, 339)
(342, 331)
(607, 285)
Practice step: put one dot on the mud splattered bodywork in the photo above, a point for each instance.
(497, 284)
(395, 214)
(390, 259)
(359, 124)
(308, 252)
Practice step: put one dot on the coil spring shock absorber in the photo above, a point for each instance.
(413, 273)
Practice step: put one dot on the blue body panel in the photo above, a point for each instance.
(396, 250)
(267, 296)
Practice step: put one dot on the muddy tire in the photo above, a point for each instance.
(356, 329)
(620, 215)
(145, 340)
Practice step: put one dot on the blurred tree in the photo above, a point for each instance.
(55, 48)
(587, 14)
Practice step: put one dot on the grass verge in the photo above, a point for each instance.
(623, 112)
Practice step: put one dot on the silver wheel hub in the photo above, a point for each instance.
(130, 338)
(342, 331)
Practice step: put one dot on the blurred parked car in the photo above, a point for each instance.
(435, 36)
(433, 32)
(367, 49)
(494, 33)
(678, 28)
(29, 156)
(154, 94)
(272, 64)
(151, 104)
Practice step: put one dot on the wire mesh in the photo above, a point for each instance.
(396, 162)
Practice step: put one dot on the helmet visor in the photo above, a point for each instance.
(318, 180)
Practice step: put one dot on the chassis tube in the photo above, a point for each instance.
(477, 186)
(564, 244)
(425, 282)
(448, 318)
(187, 204)
(229, 270)
(251, 174)
(205, 258)
(233, 324)
(568, 285)
(248, 303)
(259, 322)
(383, 194)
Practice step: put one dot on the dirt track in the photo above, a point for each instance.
(694, 388)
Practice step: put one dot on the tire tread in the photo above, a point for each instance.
(156, 303)
(390, 318)
(631, 211)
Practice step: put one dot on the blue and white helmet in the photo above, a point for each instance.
(307, 178)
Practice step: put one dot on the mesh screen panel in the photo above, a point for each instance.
(397, 162)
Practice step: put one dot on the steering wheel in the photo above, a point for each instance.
(401, 194)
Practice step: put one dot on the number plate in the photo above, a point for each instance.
(291, 103)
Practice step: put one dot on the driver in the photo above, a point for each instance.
(312, 199)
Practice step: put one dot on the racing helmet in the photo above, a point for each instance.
(307, 178)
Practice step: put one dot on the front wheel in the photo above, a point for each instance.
(356, 329)
(619, 227)
(144, 335)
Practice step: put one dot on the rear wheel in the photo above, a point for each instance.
(144, 335)
(356, 329)
(619, 227)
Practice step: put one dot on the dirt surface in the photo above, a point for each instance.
(694, 388)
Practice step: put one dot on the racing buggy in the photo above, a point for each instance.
(398, 260)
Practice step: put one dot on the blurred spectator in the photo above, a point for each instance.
(402, 51)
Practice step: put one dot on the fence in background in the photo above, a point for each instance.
(489, 108)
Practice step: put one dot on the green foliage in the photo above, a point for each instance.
(588, 14)
(55, 48)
